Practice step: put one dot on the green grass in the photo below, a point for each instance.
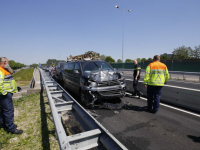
(24, 75)
(33, 116)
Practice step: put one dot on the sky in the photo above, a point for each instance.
(33, 31)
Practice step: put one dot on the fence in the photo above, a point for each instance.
(172, 65)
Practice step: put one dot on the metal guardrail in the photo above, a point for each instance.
(95, 134)
(172, 72)
(32, 83)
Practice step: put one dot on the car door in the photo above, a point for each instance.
(58, 70)
(77, 77)
(70, 76)
(61, 68)
(65, 75)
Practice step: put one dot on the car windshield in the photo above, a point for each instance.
(90, 67)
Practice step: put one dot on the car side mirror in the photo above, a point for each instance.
(76, 72)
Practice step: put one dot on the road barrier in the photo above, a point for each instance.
(188, 65)
(95, 134)
(32, 83)
(180, 96)
(171, 72)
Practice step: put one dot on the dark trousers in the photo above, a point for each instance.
(135, 83)
(153, 96)
(7, 112)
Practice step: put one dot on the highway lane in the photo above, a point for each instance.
(183, 94)
(140, 130)
(173, 82)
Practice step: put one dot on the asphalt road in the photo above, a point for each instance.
(140, 130)
(191, 78)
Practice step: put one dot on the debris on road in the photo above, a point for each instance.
(94, 114)
(127, 105)
(111, 106)
(116, 112)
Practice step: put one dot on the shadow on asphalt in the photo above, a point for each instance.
(128, 106)
(194, 138)
(134, 108)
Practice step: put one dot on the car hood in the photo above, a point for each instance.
(101, 76)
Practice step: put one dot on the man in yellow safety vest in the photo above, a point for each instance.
(156, 75)
(7, 88)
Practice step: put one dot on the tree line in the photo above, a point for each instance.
(182, 52)
(50, 62)
(15, 65)
(111, 60)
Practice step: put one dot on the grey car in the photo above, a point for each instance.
(59, 68)
(93, 80)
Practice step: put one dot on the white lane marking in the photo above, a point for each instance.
(194, 82)
(174, 86)
(194, 114)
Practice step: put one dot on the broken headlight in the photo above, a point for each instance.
(92, 84)
(122, 80)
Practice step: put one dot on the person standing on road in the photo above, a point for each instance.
(53, 70)
(50, 69)
(156, 75)
(136, 78)
(7, 88)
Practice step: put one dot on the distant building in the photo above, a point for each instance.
(168, 55)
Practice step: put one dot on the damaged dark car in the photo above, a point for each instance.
(93, 80)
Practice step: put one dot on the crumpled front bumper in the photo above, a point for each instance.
(116, 91)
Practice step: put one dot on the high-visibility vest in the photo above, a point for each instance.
(156, 74)
(7, 82)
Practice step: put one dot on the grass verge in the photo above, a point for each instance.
(33, 116)
(23, 77)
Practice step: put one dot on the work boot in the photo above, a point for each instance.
(139, 94)
(154, 111)
(148, 110)
(17, 131)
